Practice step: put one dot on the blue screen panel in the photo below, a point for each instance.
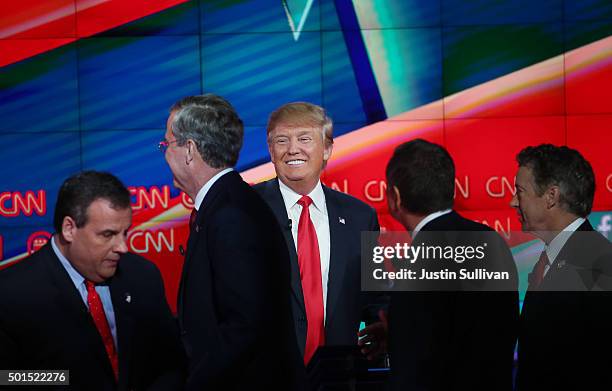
(129, 83)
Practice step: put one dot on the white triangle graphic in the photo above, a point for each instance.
(300, 25)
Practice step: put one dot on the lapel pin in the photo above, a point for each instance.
(197, 228)
(560, 264)
(341, 220)
(128, 298)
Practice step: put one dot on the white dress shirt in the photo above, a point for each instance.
(320, 219)
(79, 282)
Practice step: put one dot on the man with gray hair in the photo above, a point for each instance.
(233, 305)
(567, 311)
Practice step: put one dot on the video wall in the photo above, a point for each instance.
(86, 84)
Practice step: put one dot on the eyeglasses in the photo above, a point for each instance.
(164, 144)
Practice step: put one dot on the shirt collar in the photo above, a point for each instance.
(290, 197)
(202, 193)
(429, 218)
(554, 247)
(75, 276)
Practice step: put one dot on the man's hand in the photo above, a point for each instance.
(373, 338)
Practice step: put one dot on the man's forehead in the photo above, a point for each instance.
(103, 208)
(295, 128)
(524, 176)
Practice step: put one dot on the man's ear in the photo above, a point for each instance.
(551, 196)
(69, 228)
(269, 144)
(327, 150)
(395, 199)
(192, 150)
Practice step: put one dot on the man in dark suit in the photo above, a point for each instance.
(83, 303)
(233, 303)
(447, 334)
(567, 311)
(322, 230)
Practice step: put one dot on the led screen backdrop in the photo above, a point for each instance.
(86, 84)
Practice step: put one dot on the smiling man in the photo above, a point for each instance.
(322, 230)
(83, 303)
(567, 311)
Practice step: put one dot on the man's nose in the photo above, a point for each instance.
(294, 146)
(121, 244)
(514, 202)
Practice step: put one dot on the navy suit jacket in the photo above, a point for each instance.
(565, 331)
(233, 301)
(442, 341)
(44, 324)
(346, 304)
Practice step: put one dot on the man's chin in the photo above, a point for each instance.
(177, 185)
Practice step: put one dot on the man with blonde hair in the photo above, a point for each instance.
(322, 228)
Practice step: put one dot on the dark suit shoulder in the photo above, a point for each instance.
(26, 274)
(453, 221)
(265, 186)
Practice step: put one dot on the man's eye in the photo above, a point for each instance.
(281, 141)
(305, 139)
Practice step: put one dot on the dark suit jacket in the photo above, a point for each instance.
(346, 305)
(233, 300)
(44, 324)
(462, 340)
(564, 334)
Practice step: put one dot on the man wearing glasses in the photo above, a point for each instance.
(233, 302)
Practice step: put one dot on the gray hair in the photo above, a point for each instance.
(213, 124)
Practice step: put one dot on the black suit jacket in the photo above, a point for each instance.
(564, 332)
(233, 299)
(455, 340)
(44, 324)
(346, 304)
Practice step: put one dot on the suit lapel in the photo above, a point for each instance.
(569, 248)
(122, 299)
(192, 242)
(338, 258)
(204, 209)
(276, 203)
(75, 310)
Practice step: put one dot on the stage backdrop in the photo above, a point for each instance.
(86, 84)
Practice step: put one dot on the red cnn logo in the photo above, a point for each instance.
(12, 204)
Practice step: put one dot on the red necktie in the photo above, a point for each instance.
(192, 219)
(310, 274)
(97, 313)
(538, 270)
